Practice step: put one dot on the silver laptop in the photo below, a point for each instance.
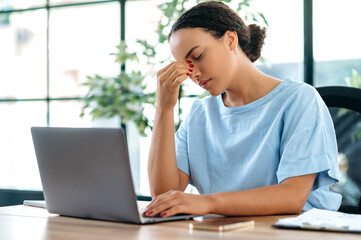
(85, 172)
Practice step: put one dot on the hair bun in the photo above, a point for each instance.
(257, 36)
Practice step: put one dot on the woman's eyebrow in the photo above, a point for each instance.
(190, 51)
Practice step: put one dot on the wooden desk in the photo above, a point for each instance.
(23, 222)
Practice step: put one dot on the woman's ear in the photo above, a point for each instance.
(231, 40)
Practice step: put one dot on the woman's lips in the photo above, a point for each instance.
(204, 84)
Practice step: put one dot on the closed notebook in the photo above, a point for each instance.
(222, 224)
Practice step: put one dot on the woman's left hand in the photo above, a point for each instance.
(174, 202)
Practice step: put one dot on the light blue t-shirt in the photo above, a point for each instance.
(286, 133)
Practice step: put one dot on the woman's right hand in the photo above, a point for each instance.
(168, 81)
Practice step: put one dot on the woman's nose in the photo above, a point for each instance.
(194, 73)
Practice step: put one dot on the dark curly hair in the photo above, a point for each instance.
(217, 18)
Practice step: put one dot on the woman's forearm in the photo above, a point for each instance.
(162, 165)
(262, 201)
(285, 198)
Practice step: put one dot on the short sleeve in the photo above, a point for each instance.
(181, 142)
(181, 148)
(308, 142)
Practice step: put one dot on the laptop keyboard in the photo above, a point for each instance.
(141, 210)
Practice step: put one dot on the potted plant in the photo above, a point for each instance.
(123, 95)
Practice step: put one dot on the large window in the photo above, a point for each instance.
(336, 40)
(46, 54)
(283, 50)
(49, 47)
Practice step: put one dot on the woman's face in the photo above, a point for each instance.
(212, 58)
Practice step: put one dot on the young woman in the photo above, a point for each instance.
(256, 146)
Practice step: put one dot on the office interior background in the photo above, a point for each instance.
(49, 47)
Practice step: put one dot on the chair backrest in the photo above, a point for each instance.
(344, 104)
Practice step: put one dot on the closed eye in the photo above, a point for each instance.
(196, 59)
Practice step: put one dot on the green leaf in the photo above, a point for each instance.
(263, 18)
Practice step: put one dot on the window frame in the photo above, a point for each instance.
(14, 196)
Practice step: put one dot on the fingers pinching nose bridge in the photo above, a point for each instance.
(190, 67)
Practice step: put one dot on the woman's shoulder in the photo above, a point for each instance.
(300, 92)
(303, 101)
(300, 88)
(204, 102)
(202, 105)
